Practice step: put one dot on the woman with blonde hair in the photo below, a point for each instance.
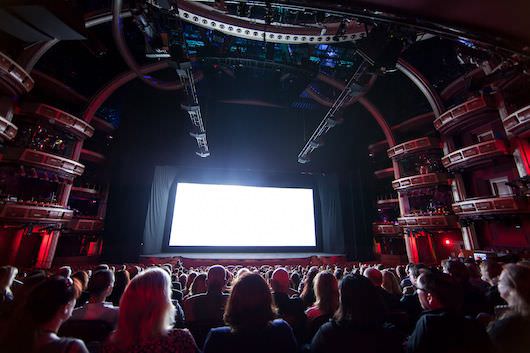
(326, 290)
(391, 283)
(146, 318)
(510, 332)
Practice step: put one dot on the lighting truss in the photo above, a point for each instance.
(353, 88)
(192, 107)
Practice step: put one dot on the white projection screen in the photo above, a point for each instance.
(250, 216)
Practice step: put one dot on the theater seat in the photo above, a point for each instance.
(199, 330)
(92, 332)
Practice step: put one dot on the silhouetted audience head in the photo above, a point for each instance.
(414, 271)
(250, 304)
(457, 270)
(199, 284)
(280, 281)
(438, 291)
(100, 284)
(490, 271)
(216, 278)
(326, 293)
(81, 277)
(146, 310)
(401, 272)
(48, 304)
(391, 283)
(360, 302)
(514, 287)
(374, 275)
(308, 293)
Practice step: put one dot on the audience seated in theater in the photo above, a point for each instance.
(475, 276)
(391, 284)
(295, 280)
(405, 281)
(490, 271)
(64, 271)
(250, 316)
(7, 276)
(443, 327)
(189, 281)
(80, 279)
(376, 277)
(34, 328)
(401, 273)
(307, 291)
(410, 301)
(474, 301)
(289, 309)
(121, 280)
(146, 315)
(99, 288)
(358, 325)
(326, 303)
(198, 286)
(511, 333)
(208, 307)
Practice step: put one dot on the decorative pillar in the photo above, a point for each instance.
(15, 246)
(47, 249)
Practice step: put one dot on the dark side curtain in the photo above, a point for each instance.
(332, 238)
(155, 219)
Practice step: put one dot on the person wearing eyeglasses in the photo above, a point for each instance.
(35, 327)
(442, 328)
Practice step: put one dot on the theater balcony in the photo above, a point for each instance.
(85, 192)
(428, 221)
(414, 146)
(518, 123)
(420, 181)
(39, 159)
(91, 156)
(467, 114)
(7, 129)
(34, 212)
(385, 228)
(470, 156)
(85, 224)
(386, 203)
(59, 118)
(384, 173)
(13, 78)
(491, 205)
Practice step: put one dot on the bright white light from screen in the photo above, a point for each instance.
(233, 215)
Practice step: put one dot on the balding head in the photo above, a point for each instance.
(280, 281)
(216, 278)
(374, 275)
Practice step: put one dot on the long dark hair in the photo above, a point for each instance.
(360, 302)
(308, 293)
(41, 305)
(250, 304)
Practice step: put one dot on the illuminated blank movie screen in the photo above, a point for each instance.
(234, 215)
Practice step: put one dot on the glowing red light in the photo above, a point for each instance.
(448, 242)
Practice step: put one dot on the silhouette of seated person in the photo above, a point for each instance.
(289, 309)
(99, 288)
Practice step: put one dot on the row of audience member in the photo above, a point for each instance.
(456, 307)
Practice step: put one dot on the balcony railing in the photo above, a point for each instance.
(434, 221)
(467, 113)
(475, 154)
(44, 160)
(419, 181)
(509, 204)
(80, 224)
(386, 228)
(413, 146)
(27, 212)
(85, 192)
(384, 173)
(518, 123)
(7, 129)
(91, 156)
(13, 78)
(59, 118)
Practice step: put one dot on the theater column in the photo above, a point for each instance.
(47, 249)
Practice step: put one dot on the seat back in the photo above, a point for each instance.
(86, 330)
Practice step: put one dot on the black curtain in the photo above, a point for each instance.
(331, 214)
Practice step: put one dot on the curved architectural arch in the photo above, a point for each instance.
(31, 55)
(99, 98)
(423, 85)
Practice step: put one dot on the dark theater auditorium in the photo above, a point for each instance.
(264, 176)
